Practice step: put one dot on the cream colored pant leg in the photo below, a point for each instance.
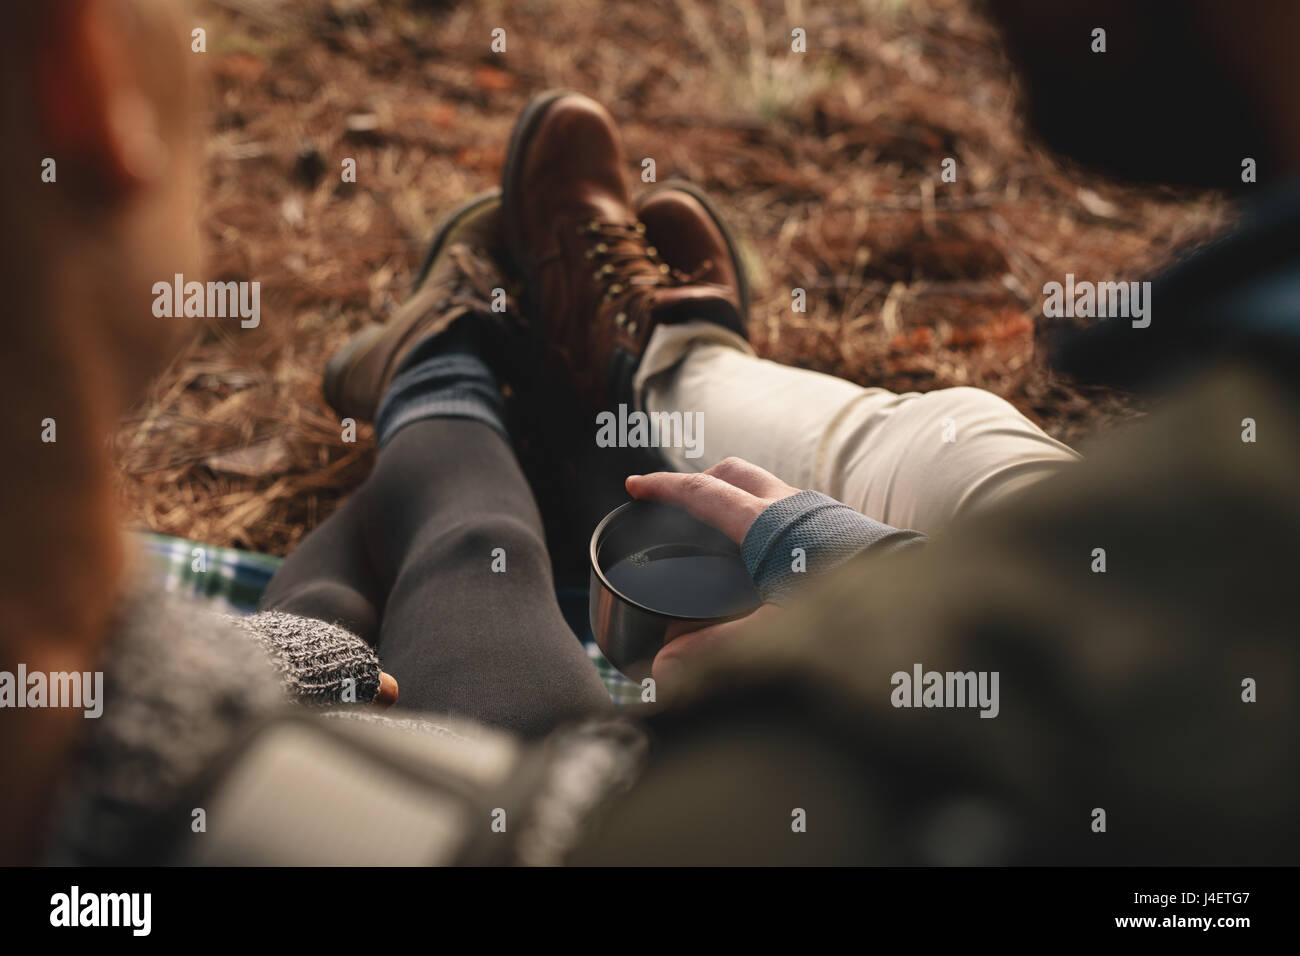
(914, 460)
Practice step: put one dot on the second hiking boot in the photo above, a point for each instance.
(690, 234)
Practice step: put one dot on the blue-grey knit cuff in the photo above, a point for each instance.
(826, 532)
(452, 385)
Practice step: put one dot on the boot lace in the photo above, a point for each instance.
(627, 268)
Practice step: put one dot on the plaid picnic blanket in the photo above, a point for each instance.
(232, 581)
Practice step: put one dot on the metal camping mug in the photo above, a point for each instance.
(631, 632)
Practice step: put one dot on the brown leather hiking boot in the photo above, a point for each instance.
(594, 284)
(690, 235)
(458, 277)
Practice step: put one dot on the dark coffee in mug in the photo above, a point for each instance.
(685, 581)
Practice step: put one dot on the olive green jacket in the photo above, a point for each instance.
(1147, 713)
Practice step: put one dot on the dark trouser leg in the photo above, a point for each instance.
(458, 637)
(328, 576)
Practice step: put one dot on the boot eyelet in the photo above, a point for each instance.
(640, 228)
(621, 319)
(615, 289)
(631, 327)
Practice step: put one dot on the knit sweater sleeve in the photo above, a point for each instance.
(180, 686)
(807, 534)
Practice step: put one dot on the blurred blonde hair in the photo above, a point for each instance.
(79, 344)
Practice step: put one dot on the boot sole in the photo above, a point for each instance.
(357, 346)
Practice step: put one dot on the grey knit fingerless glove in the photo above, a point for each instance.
(320, 664)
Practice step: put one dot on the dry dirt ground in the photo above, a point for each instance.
(826, 162)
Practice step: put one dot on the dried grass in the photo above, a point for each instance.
(826, 162)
